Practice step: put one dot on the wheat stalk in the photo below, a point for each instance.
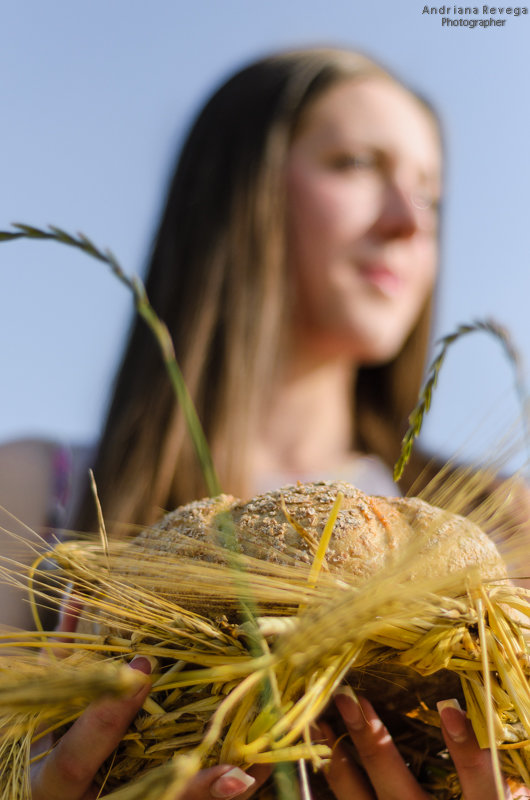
(417, 415)
(158, 328)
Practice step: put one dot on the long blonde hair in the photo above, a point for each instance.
(218, 277)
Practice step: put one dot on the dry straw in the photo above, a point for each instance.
(216, 697)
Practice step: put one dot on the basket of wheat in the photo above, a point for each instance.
(255, 613)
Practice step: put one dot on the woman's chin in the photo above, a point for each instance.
(370, 346)
(377, 351)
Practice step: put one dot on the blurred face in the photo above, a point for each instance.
(363, 180)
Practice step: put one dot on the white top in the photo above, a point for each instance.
(367, 473)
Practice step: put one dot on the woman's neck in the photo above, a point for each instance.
(308, 422)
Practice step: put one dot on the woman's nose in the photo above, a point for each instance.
(404, 212)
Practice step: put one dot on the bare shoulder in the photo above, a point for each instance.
(27, 453)
(26, 479)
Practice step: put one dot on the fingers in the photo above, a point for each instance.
(68, 771)
(387, 772)
(224, 782)
(343, 777)
(474, 766)
(388, 775)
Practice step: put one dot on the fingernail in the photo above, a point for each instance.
(145, 664)
(453, 719)
(349, 707)
(232, 783)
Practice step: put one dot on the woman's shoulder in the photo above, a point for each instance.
(25, 456)
(26, 451)
(38, 477)
(25, 472)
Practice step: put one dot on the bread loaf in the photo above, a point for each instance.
(369, 535)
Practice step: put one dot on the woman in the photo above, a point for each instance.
(294, 265)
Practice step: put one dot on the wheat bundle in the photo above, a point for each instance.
(256, 612)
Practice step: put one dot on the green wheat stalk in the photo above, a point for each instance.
(158, 328)
(424, 403)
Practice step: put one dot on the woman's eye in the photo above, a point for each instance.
(352, 161)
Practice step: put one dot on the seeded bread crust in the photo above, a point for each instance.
(369, 535)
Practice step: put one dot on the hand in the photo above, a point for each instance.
(67, 772)
(387, 776)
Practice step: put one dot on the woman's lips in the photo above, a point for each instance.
(382, 278)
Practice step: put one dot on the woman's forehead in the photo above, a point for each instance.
(377, 112)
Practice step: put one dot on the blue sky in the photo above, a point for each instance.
(95, 98)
